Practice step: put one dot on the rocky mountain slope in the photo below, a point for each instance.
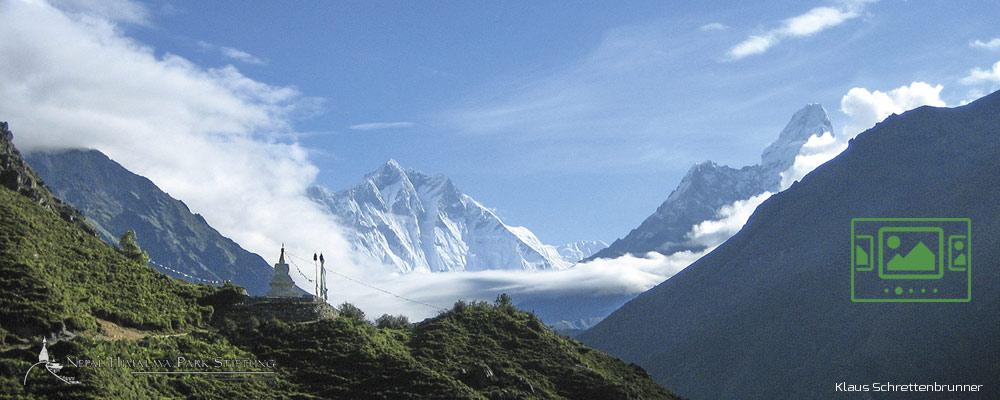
(769, 314)
(17, 176)
(116, 200)
(708, 186)
(418, 222)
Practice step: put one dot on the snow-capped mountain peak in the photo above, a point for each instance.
(577, 251)
(808, 121)
(708, 186)
(420, 222)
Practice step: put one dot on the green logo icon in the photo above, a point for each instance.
(911, 260)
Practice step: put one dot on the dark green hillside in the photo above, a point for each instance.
(508, 353)
(349, 359)
(60, 281)
(476, 351)
(54, 275)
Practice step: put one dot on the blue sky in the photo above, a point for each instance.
(574, 119)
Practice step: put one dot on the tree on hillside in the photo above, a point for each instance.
(130, 248)
(392, 322)
(504, 300)
(351, 311)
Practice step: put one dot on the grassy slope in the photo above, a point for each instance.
(446, 357)
(526, 358)
(54, 276)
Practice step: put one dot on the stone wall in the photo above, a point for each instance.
(287, 309)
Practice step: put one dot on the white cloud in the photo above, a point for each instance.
(754, 44)
(865, 108)
(374, 126)
(231, 53)
(206, 136)
(731, 219)
(715, 26)
(240, 55)
(993, 44)
(816, 20)
(816, 151)
(978, 75)
(812, 22)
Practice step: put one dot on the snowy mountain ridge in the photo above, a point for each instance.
(419, 222)
(577, 251)
(708, 186)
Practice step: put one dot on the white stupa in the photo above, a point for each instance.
(282, 284)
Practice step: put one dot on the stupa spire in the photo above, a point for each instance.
(282, 284)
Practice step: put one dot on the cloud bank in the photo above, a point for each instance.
(627, 275)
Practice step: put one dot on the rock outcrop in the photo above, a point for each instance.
(17, 176)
